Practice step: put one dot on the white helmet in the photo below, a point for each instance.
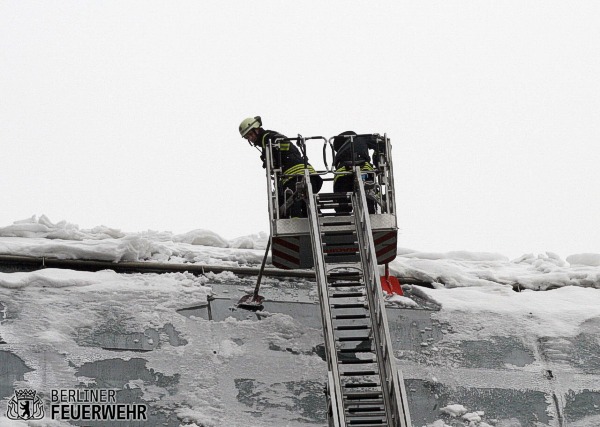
(249, 123)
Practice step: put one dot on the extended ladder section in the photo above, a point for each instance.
(364, 388)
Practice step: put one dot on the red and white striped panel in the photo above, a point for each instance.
(385, 245)
(286, 252)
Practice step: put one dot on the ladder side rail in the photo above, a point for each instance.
(392, 390)
(272, 188)
(334, 420)
(404, 396)
(390, 187)
(321, 276)
(383, 176)
(363, 231)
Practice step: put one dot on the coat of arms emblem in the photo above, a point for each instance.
(25, 405)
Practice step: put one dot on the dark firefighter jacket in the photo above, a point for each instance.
(355, 152)
(287, 156)
(359, 146)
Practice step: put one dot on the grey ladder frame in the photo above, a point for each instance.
(382, 403)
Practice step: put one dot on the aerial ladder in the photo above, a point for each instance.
(364, 387)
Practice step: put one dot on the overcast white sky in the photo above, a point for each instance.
(125, 113)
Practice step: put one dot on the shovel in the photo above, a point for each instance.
(253, 301)
(390, 284)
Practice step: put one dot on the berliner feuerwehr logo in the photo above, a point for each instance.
(25, 405)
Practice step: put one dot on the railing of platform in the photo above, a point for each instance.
(382, 175)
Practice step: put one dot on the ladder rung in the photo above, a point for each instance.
(355, 361)
(378, 409)
(345, 284)
(361, 395)
(328, 214)
(347, 213)
(359, 373)
(353, 305)
(359, 403)
(351, 327)
(359, 349)
(361, 385)
(347, 295)
(335, 201)
(341, 253)
(355, 278)
(381, 419)
(365, 347)
(330, 196)
(351, 339)
(350, 316)
(366, 411)
(337, 223)
(345, 274)
(367, 422)
(334, 205)
(338, 244)
(338, 233)
(371, 407)
(342, 257)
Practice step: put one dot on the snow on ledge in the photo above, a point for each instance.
(40, 237)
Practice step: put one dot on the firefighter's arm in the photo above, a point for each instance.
(264, 160)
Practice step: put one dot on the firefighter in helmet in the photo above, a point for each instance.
(353, 150)
(286, 157)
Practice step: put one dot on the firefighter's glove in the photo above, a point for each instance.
(264, 161)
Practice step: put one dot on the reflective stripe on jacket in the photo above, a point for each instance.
(296, 170)
(366, 167)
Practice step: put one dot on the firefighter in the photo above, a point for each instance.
(286, 157)
(352, 150)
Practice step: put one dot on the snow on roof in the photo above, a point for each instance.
(40, 237)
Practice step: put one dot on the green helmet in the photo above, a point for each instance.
(249, 123)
